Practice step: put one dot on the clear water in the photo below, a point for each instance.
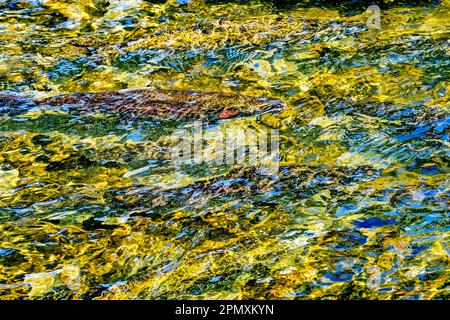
(358, 210)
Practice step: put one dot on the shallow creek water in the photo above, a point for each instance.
(92, 205)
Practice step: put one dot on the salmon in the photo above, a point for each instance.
(158, 104)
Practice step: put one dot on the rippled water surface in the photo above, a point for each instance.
(359, 208)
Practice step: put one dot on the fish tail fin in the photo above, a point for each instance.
(13, 104)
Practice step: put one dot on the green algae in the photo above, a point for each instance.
(357, 210)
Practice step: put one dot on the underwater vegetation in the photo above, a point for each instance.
(92, 205)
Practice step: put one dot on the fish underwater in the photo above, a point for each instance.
(241, 182)
(158, 104)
